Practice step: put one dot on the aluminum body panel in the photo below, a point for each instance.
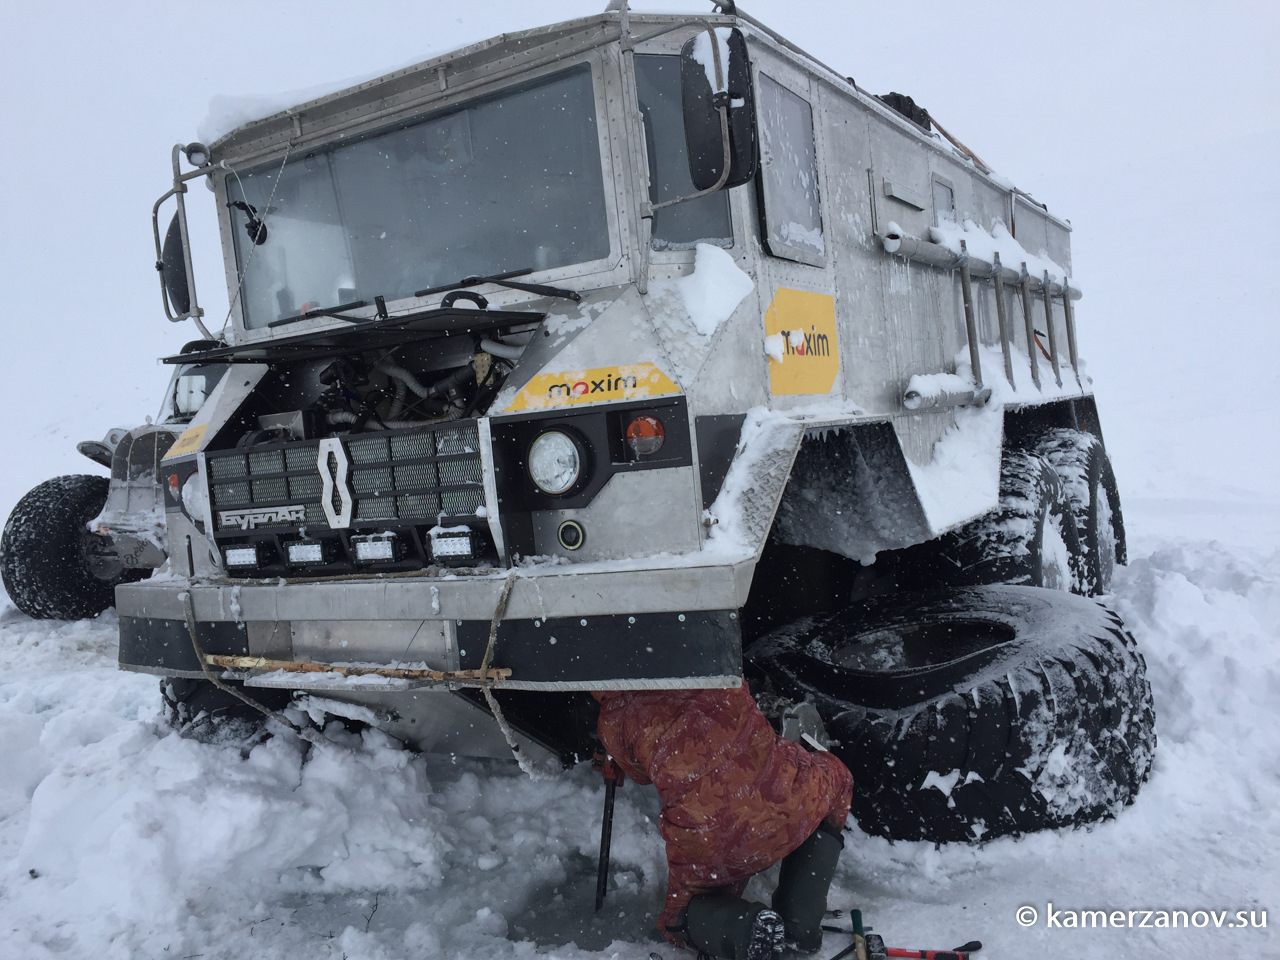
(410, 641)
(623, 519)
(564, 590)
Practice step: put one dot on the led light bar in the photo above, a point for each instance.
(451, 545)
(306, 553)
(372, 549)
(241, 556)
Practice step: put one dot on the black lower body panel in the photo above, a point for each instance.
(164, 647)
(593, 652)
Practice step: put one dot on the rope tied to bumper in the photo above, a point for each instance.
(500, 611)
(189, 613)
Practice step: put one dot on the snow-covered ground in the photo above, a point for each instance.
(120, 839)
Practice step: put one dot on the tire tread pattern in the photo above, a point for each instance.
(1061, 735)
(42, 551)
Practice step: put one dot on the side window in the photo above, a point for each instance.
(681, 227)
(944, 202)
(789, 174)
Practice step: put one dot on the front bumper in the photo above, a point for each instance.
(592, 626)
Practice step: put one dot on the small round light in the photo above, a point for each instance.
(645, 436)
(197, 154)
(571, 535)
(555, 463)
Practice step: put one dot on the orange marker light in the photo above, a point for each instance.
(645, 436)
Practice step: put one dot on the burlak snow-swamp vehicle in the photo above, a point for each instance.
(637, 351)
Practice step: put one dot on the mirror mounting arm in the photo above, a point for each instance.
(721, 100)
(178, 192)
(648, 208)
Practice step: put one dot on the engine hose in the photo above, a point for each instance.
(335, 417)
(397, 405)
(405, 377)
(504, 350)
(454, 380)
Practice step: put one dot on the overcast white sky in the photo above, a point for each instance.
(1153, 127)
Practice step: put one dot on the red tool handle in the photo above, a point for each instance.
(927, 954)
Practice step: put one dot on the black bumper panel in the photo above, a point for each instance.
(165, 645)
(587, 654)
(597, 650)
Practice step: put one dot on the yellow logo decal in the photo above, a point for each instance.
(805, 323)
(189, 442)
(629, 381)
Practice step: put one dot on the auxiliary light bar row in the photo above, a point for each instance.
(378, 548)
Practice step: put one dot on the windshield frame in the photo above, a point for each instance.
(604, 270)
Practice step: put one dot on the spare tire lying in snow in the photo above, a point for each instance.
(976, 712)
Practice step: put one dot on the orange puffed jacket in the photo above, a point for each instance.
(736, 797)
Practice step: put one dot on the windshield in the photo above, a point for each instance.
(509, 183)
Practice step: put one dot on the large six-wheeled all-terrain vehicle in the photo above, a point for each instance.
(637, 351)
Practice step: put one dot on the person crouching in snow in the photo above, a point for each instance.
(736, 799)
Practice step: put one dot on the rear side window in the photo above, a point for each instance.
(789, 174)
(681, 227)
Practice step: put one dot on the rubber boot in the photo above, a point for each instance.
(803, 882)
(734, 929)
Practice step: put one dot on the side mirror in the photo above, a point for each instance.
(173, 269)
(704, 100)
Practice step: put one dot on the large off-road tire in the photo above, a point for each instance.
(53, 567)
(198, 710)
(974, 713)
(1089, 485)
(1031, 538)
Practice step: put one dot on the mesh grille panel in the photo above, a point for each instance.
(368, 450)
(459, 471)
(375, 508)
(305, 487)
(273, 490)
(301, 456)
(266, 461)
(393, 478)
(465, 439)
(460, 503)
(412, 446)
(416, 475)
(231, 492)
(227, 468)
(419, 506)
(375, 480)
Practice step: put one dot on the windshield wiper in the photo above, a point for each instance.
(504, 280)
(325, 312)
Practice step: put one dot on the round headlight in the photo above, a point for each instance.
(555, 462)
(193, 495)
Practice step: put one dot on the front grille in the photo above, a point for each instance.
(431, 474)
